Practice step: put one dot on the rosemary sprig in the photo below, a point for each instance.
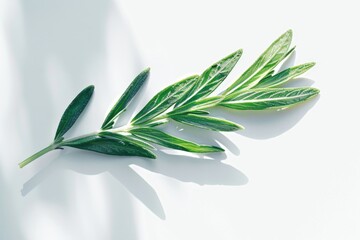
(187, 102)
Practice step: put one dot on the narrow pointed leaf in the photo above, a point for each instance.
(129, 139)
(125, 99)
(199, 112)
(264, 64)
(198, 105)
(271, 73)
(161, 138)
(109, 146)
(163, 100)
(73, 111)
(259, 99)
(211, 78)
(284, 76)
(205, 122)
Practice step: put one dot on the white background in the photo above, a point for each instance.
(293, 174)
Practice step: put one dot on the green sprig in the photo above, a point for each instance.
(187, 102)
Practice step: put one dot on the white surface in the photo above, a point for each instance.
(290, 175)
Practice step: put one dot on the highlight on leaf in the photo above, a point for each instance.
(206, 122)
(126, 138)
(125, 99)
(161, 138)
(273, 98)
(210, 79)
(272, 56)
(164, 100)
(284, 76)
(187, 102)
(110, 147)
(73, 111)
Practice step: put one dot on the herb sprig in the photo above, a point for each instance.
(187, 101)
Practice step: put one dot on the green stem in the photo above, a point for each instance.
(37, 155)
(61, 141)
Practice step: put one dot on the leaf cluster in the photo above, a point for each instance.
(187, 101)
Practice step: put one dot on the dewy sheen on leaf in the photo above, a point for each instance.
(187, 102)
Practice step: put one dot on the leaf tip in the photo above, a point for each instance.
(313, 92)
(91, 88)
(316, 91)
(147, 70)
(287, 36)
(240, 127)
(311, 64)
(289, 32)
(220, 149)
(152, 156)
(216, 149)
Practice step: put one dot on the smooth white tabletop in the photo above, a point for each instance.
(293, 174)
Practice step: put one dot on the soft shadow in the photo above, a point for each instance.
(9, 227)
(198, 170)
(183, 168)
(289, 62)
(60, 47)
(299, 82)
(67, 37)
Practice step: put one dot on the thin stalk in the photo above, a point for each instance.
(51, 147)
(37, 155)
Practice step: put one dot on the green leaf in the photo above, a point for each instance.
(109, 146)
(260, 99)
(163, 100)
(188, 102)
(210, 79)
(284, 76)
(205, 122)
(198, 105)
(199, 112)
(128, 138)
(272, 56)
(161, 138)
(125, 99)
(73, 111)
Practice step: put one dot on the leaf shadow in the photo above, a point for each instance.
(267, 124)
(202, 171)
(289, 62)
(9, 227)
